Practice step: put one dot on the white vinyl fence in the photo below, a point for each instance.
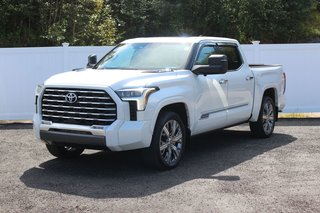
(301, 62)
(21, 69)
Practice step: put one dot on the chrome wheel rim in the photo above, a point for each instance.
(171, 140)
(268, 117)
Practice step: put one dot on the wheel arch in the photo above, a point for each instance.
(182, 110)
(272, 93)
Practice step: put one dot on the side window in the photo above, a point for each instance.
(233, 54)
(205, 52)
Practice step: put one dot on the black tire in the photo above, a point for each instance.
(168, 142)
(264, 127)
(64, 151)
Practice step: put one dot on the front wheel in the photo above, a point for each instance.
(168, 142)
(264, 127)
(64, 151)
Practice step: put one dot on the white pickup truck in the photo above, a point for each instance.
(153, 94)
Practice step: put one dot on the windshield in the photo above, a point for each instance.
(147, 56)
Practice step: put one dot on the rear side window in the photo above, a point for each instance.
(233, 54)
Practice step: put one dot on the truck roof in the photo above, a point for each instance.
(179, 39)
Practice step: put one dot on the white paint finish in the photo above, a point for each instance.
(240, 94)
(23, 68)
(211, 103)
(267, 77)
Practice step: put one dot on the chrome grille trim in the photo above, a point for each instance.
(93, 107)
(74, 90)
(88, 119)
(71, 107)
(102, 98)
(84, 102)
(81, 113)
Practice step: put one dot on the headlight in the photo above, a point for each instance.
(139, 95)
(39, 89)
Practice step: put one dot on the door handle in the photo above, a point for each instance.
(248, 78)
(223, 81)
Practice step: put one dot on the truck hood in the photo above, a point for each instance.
(116, 79)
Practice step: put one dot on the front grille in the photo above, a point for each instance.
(92, 107)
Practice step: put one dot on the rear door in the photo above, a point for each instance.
(240, 85)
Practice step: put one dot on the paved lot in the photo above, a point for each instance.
(225, 171)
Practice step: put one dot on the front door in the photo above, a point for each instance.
(211, 103)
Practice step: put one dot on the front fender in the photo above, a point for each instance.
(161, 99)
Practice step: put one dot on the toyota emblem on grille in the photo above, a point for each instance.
(71, 97)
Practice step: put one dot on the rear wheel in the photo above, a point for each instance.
(64, 151)
(264, 127)
(168, 142)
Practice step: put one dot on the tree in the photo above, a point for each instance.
(19, 21)
(274, 21)
(51, 22)
(99, 22)
(135, 18)
(80, 22)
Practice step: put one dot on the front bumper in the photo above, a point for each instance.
(73, 139)
(120, 136)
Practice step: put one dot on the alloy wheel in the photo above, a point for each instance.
(171, 139)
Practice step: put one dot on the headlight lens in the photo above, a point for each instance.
(131, 93)
(140, 95)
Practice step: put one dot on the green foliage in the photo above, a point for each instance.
(313, 25)
(270, 21)
(81, 22)
(101, 22)
(18, 22)
(50, 22)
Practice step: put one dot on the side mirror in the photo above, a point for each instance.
(217, 64)
(92, 60)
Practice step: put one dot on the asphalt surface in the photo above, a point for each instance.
(223, 171)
